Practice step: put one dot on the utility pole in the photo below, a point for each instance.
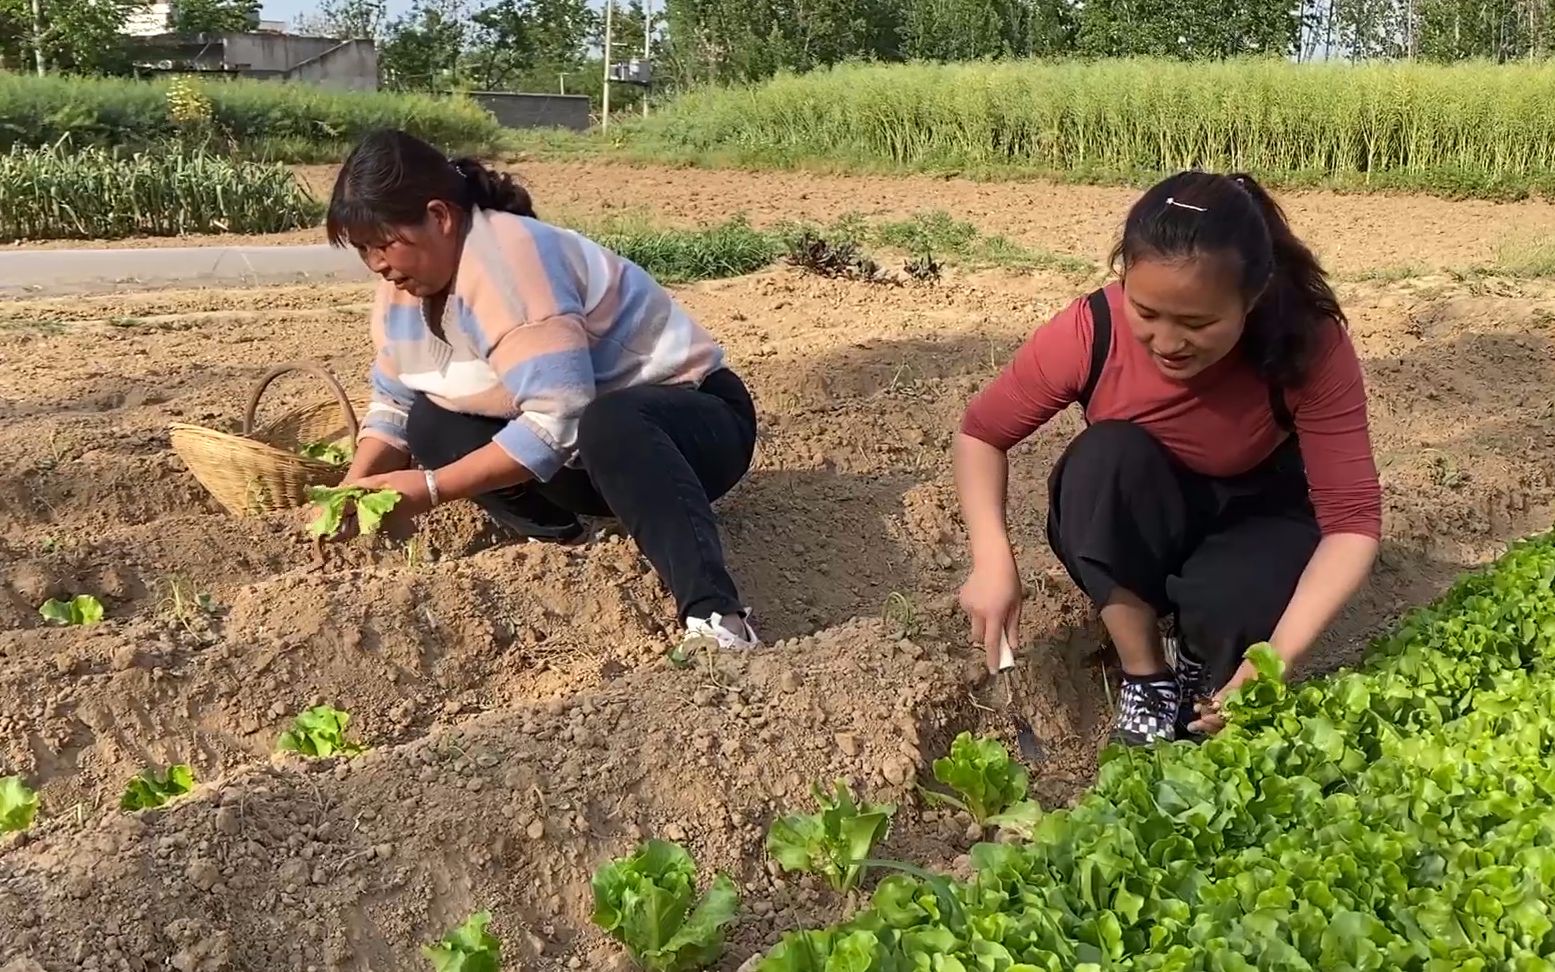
(604, 118)
(647, 51)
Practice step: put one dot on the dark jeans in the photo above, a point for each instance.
(654, 457)
(1223, 555)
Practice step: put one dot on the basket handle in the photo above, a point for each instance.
(313, 368)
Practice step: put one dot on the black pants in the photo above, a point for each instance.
(654, 457)
(1222, 555)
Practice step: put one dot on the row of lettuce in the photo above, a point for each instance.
(1399, 816)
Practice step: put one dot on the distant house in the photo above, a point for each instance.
(151, 19)
(272, 55)
(155, 18)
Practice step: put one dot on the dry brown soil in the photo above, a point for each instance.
(524, 723)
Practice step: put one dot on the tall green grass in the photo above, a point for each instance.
(287, 122)
(55, 193)
(1470, 128)
(675, 255)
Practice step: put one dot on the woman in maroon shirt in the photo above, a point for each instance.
(1225, 481)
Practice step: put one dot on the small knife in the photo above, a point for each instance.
(1025, 738)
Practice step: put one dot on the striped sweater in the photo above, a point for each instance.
(539, 322)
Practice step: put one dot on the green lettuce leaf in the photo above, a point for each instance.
(319, 732)
(18, 804)
(833, 843)
(468, 948)
(330, 452)
(148, 790)
(79, 610)
(981, 771)
(371, 507)
(1257, 700)
(1020, 819)
(648, 903)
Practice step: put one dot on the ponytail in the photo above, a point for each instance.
(391, 176)
(1290, 302)
(496, 191)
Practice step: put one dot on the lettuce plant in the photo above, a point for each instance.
(648, 902)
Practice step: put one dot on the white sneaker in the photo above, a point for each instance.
(728, 631)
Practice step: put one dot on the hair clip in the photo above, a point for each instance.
(1172, 201)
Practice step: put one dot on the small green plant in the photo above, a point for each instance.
(147, 790)
(187, 605)
(1263, 694)
(330, 452)
(648, 902)
(371, 507)
(826, 257)
(834, 842)
(992, 787)
(81, 609)
(468, 948)
(319, 732)
(902, 611)
(923, 267)
(18, 805)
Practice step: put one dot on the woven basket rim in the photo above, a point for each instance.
(250, 443)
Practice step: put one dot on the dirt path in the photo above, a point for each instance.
(1354, 234)
(525, 724)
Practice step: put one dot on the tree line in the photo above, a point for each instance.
(549, 45)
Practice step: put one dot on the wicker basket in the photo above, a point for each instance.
(261, 472)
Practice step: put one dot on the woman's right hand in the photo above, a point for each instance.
(991, 598)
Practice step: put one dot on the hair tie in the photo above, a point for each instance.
(461, 168)
(1172, 201)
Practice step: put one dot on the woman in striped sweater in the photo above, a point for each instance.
(526, 368)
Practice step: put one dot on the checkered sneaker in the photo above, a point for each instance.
(1147, 710)
(1191, 685)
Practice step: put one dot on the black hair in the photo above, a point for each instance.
(390, 177)
(1290, 301)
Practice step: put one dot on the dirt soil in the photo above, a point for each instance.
(1354, 234)
(524, 724)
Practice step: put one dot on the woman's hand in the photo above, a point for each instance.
(1211, 720)
(414, 500)
(991, 598)
(991, 595)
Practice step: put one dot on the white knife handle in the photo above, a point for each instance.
(1006, 654)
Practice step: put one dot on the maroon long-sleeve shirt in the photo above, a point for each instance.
(1218, 423)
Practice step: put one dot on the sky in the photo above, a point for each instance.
(290, 10)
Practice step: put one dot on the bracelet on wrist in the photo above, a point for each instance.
(432, 493)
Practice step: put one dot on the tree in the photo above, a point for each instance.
(15, 34)
(346, 19)
(214, 16)
(78, 36)
(963, 30)
(1369, 29)
(421, 50)
(1188, 29)
(530, 43)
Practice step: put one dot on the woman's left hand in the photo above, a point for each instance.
(411, 484)
(1211, 720)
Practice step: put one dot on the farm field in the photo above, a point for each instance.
(1356, 233)
(524, 724)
